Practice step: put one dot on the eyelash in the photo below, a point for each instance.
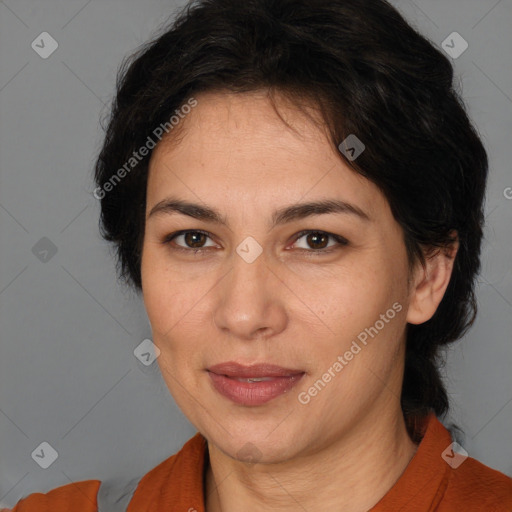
(313, 252)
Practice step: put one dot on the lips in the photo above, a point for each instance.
(236, 370)
(252, 385)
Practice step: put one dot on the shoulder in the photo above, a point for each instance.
(478, 487)
(112, 495)
(175, 482)
(443, 478)
(179, 471)
(76, 496)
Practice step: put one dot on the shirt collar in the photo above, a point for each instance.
(422, 484)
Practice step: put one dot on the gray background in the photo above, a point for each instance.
(68, 375)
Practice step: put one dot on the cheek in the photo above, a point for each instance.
(348, 295)
(351, 306)
(177, 308)
(164, 292)
(158, 294)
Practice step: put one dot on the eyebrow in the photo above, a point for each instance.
(281, 216)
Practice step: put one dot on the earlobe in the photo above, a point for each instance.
(430, 284)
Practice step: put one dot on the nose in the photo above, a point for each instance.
(251, 301)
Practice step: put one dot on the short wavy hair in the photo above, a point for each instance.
(369, 73)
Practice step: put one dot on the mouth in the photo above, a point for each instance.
(255, 384)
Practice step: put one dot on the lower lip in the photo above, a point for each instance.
(253, 393)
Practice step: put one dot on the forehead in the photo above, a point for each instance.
(238, 144)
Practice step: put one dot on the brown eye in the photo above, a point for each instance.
(194, 239)
(191, 240)
(317, 241)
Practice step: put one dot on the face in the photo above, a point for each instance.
(321, 293)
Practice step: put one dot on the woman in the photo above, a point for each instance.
(297, 192)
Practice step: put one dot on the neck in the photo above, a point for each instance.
(352, 473)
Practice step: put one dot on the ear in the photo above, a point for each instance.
(430, 283)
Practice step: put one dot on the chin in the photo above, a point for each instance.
(253, 443)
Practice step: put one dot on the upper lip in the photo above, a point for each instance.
(237, 370)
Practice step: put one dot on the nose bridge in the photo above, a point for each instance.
(246, 284)
(249, 267)
(246, 304)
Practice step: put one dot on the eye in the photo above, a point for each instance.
(318, 240)
(193, 240)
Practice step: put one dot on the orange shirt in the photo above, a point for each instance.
(429, 483)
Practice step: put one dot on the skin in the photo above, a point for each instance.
(347, 447)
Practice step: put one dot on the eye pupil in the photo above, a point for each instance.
(313, 238)
(190, 236)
